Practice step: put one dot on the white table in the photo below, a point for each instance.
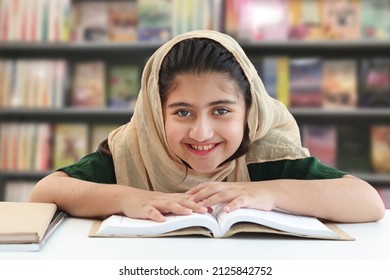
(71, 242)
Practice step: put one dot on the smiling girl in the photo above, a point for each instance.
(205, 132)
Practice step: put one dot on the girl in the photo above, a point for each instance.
(204, 132)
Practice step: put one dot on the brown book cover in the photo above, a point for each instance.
(24, 222)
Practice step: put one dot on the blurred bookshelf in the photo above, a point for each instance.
(96, 47)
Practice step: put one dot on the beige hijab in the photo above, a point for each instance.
(143, 159)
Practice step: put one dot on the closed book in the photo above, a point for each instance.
(24, 222)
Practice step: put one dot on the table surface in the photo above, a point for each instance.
(71, 242)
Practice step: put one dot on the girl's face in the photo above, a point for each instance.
(204, 118)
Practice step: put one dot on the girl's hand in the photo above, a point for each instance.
(153, 205)
(234, 195)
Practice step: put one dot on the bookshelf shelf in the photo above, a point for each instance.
(23, 175)
(103, 115)
(361, 115)
(375, 179)
(75, 47)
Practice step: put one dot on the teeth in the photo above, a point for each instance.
(203, 148)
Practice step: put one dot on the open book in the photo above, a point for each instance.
(26, 226)
(219, 224)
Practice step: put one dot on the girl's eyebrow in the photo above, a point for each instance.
(213, 103)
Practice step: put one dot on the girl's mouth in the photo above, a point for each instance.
(202, 149)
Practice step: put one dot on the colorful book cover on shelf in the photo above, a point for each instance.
(13, 152)
(341, 19)
(70, 143)
(375, 82)
(65, 20)
(232, 16)
(190, 15)
(321, 140)
(60, 83)
(33, 21)
(384, 193)
(23, 141)
(99, 132)
(375, 19)
(4, 145)
(269, 75)
(283, 81)
(28, 144)
(91, 21)
(380, 148)
(353, 153)
(45, 81)
(124, 86)
(15, 20)
(339, 83)
(43, 154)
(58, 20)
(305, 20)
(5, 82)
(4, 20)
(177, 8)
(122, 21)
(271, 25)
(217, 14)
(154, 20)
(89, 85)
(43, 20)
(305, 82)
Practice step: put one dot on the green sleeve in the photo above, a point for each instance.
(306, 168)
(95, 167)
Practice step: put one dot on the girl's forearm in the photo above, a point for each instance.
(80, 198)
(347, 199)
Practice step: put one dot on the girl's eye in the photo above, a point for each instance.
(221, 111)
(183, 113)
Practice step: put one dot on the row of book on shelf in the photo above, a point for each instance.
(156, 20)
(326, 82)
(34, 83)
(352, 148)
(297, 82)
(44, 146)
(278, 20)
(105, 21)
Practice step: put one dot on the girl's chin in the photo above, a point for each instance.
(202, 169)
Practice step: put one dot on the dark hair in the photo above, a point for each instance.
(200, 55)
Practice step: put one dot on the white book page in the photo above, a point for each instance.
(302, 225)
(120, 225)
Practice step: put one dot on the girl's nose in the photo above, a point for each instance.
(201, 130)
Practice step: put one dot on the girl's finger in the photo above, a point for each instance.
(155, 215)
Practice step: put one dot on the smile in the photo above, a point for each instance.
(203, 147)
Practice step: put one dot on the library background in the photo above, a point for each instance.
(70, 71)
